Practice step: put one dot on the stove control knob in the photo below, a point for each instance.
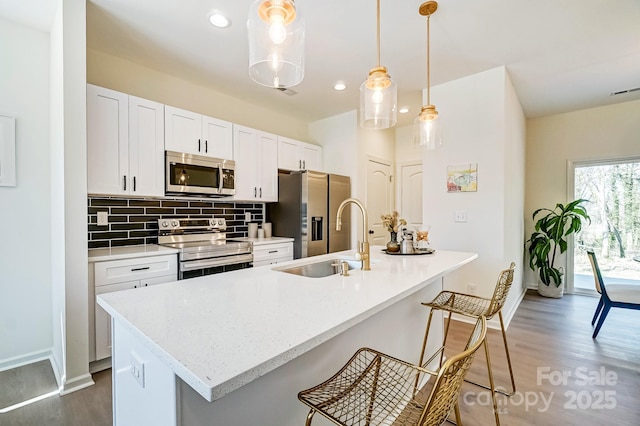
(221, 222)
(174, 223)
(212, 222)
(165, 224)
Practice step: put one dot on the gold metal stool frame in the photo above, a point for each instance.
(373, 388)
(474, 307)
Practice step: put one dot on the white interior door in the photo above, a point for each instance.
(410, 199)
(379, 189)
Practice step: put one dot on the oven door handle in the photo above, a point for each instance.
(216, 261)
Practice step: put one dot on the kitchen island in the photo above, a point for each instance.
(235, 348)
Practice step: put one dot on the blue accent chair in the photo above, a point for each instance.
(612, 295)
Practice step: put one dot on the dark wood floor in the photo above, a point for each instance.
(547, 337)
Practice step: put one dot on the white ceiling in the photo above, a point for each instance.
(561, 55)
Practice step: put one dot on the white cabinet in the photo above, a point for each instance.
(125, 144)
(193, 133)
(124, 274)
(256, 165)
(269, 254)
(296, 155)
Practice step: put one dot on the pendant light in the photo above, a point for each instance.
(378, 95)
(427, 127)
(276, 43)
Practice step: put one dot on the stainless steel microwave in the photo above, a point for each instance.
(188, 174)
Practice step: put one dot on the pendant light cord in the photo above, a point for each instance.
(378, 33)
(428, 70)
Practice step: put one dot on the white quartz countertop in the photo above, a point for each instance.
(128, 252)
(220, 332)
(264, 241)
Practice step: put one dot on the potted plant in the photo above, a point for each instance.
(550, 240)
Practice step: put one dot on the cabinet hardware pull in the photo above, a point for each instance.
(206, 146)
(134, 184)
(260, 192)
(140, 269)
(304, 164)
(273, 251)
(124, 180)
(255, 192)
(198, 145)
(300, 164)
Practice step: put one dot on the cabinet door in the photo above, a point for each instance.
(267, 167)
(311, 156)
(146, 147)
(244, 147)
(218, 138)
(183, 130)
(107, 141)
(103, 320)
(288, 157)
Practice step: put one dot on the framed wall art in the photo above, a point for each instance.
(462, 178)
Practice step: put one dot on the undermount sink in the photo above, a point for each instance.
(320, 269)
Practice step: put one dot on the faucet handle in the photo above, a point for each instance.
(358, 256)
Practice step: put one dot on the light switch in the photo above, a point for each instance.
(460, 216)
(103, 218)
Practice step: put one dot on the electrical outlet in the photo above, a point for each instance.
(460, 216)
(103, 218)
(137, 369)
(247, 217)
(472, 288)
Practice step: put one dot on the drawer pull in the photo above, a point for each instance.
(140, 269)
(273, 251)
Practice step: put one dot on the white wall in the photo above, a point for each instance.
(25, 250)
(125, 76)
(596, 133)
(484, 124)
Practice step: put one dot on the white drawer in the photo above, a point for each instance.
(117, 271)
(271, 261)
(272, 251)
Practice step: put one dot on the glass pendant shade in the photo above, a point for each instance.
(378, 100)
(427, 128)
(276, 43)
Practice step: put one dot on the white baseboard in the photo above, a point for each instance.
(77, 383)
(19, 361)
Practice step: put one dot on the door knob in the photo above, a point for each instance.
(370, 231)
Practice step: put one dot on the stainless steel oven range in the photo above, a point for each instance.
(203, 248)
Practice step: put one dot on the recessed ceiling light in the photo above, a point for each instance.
(403, 110)
(218, 19)
(339, 86)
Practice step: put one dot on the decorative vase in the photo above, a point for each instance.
(552, 290)
(392, 245)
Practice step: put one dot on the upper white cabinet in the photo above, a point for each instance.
(193, 133)
(296, 155)
(256, 164)
(125, 144)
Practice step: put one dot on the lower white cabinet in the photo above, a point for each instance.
(269, 254)
(124, 274)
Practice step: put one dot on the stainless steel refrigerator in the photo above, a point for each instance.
(306, 211)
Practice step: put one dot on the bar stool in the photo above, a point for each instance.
(475, 307)
(374, 388)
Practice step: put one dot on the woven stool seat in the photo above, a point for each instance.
(377, 389)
